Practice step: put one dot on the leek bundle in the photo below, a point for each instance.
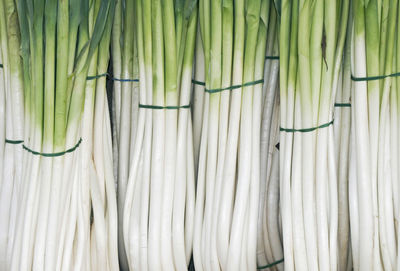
(160, 194)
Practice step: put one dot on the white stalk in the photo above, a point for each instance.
(297, 186)
(190, 195)
(116, 98)
(158, 145)
(273, 210)
(200, 192)
(2, 115)
(112, 215)
(198, 97)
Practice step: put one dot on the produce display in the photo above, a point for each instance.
(199, 135)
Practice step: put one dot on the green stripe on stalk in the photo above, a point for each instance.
(84, 58)
(24, 28)
(37, 63)
(317, 36)
(60, 113)
(50, 53)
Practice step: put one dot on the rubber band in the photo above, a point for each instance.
(111, 78)
(1, 65)
(235, 86)
(9, 141)
(272, 57)
(378, 77)
(198, 82)
(306, 130)
(163, 107)
(342, 104)
(53, 154)
(271, 264)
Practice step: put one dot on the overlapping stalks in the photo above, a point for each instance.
(63, 211)
(234, 35)
(11, 126)
(269, 241)
(374, 161)
(160, 193)
(310, 59)
(125, 102)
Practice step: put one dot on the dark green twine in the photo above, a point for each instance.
(111, 78)
(53, 154)
(9, 141)
(163, 107)
(198, 82)
(371, 78)
(272, 57)
(1, 65)
(235, 86)
(306, 130)
(342, 104)
(271, 264)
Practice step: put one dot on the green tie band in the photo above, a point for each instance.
(306, 130)
(342, 104)
(53, 154)
(372, 78)
(9, 141)
(163, 107)
(198, 82)
(271, 264)
(111, 78)
(235, 86)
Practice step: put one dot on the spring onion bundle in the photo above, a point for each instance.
(310, 62)
(342, 127)
(64, 178)
(125, 101)
(11, 126)
(374, 164)
(159, 202)
(269, 244)
(234, 35)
